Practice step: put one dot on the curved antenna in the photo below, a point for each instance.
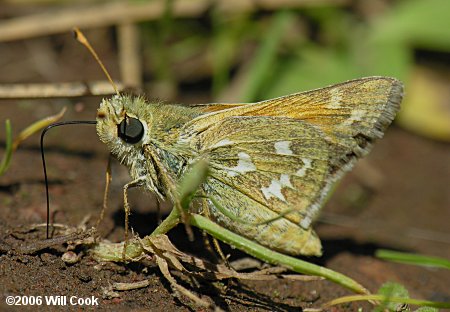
(70, 122)
(82, 39)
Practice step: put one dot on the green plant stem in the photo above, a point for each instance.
(381, 298)
(113, 252)
(8, 149)
(169, 223)
(274, 257)
(409, 258)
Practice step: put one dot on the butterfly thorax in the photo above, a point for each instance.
(145, 137)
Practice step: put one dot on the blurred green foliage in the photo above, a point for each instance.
(256, 55)
(392, 290)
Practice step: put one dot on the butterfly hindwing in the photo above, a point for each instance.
(257, 174)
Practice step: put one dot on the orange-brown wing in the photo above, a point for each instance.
(350, 114)
(363, 106)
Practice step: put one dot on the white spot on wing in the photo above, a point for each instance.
(244, 165)
(285, 181)
(275, 187)
(282, 148)
(307, 165)
(274, 190)
(223, 142)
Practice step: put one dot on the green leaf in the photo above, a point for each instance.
(390, 290)
(389, 42)
(191, 182)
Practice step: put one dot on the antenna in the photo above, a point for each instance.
(73, 122)
(82, 39)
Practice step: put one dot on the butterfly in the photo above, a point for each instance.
(271, 163)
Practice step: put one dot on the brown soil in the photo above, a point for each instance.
(398, 198)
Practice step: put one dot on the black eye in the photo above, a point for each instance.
(130, 130)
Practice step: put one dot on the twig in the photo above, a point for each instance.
(130, 286)
(57, 90)
(164, 268)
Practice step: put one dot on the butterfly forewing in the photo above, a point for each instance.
(368, 104)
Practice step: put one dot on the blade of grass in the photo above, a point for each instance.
(417, 302)
(187, 188)
(409, 258)
(37, 126)
(229, 33)
(25, 133)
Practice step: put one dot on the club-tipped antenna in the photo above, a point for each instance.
(71, 122)
(82, 39)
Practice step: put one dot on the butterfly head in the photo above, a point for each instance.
(123, 125)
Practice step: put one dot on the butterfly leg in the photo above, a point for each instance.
(108, 177)
(207, 214)
(134, 183)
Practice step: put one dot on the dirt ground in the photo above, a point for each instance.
(397, 198)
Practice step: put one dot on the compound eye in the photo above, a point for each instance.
(130, 130)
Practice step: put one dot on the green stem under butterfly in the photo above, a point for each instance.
(187, 189)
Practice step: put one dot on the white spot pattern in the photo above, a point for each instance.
(244, 165)
(307, 165)
(274, 189)
(282, 148)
